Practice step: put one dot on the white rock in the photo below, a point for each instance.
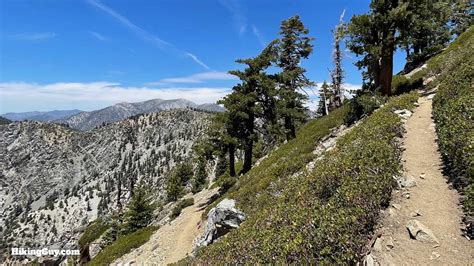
(408, 182)
(404, 113)
(420, 232)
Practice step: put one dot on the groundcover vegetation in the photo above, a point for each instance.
(453, 111)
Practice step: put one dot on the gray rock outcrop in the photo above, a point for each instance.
(220, 220)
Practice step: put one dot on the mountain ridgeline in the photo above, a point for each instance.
(89, 120)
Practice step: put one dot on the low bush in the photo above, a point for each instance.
(123, 245)
(402, 84)
(362, 105)
(453, 111)
(93, 231)
(180, 206)
(325, 216)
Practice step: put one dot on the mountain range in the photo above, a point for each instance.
(82, 120)
(88, 120)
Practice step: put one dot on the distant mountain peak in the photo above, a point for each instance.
(120, 111)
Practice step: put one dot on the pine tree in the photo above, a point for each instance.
(200, 175)
(294, 46)
(174, 187)
(139, 211)
(184, 171)
(242, 103)
(461, 17)
(424, 29)
(372, 36)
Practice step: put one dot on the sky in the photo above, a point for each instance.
(88, 54)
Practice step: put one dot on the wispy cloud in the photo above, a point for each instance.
(145, 35)
(238, 16)
(97, 35)
(130, 25)
(196, 78)
(23, 96)
(195, 59)
(259, 36)
(35, 36)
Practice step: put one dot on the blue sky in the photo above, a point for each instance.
(87, 54)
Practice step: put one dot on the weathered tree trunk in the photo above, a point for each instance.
(119, 191)
(386, 64)
(248, 153)
(290, 128)
(232, 160)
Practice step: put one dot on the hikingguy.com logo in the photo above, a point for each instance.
(44, 252)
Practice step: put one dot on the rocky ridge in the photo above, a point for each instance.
(55, 180)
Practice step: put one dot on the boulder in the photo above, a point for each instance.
(404, 113)
(405, 181)
(420, 232)
(220, 220)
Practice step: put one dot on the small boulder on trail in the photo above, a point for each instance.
(404, 113)
(405, 181)
(220, 220)
(420, 232)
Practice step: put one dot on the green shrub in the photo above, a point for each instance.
(225, 182)
(402, 84)
(93, 231)
(180, 206)
(453, 111)
(123, 245)
(324, 216)
(362, 105)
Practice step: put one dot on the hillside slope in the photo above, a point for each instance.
(324, 214)
(328, 215)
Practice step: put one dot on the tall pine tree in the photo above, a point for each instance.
(139, 211)
(294, 46)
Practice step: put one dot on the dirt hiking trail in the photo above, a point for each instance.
(174, 240)
(428, 200)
